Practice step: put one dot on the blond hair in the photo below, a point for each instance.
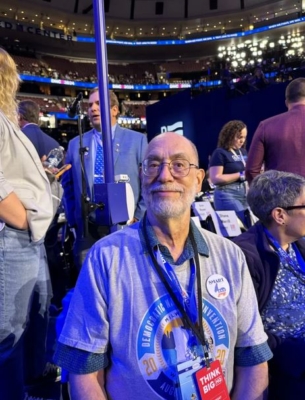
(9, 84)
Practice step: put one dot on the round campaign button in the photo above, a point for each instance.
(218, 286)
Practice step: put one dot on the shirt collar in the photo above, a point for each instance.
(99, 134)
(188, 251)
(29, 123)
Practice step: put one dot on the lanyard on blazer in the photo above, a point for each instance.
(196, 328)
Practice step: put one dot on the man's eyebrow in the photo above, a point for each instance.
(179, 155)
(173, 157)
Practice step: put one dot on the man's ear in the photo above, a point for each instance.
(200, 177)
(114, 111)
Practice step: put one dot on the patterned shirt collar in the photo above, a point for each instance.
(188, 251)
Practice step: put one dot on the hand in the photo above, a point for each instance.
(52, 170)
(132, 221)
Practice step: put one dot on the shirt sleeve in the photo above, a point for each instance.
(86, 327)
(251, 346)
(217, 159)
(250, 356)
(256, 154)
(5, 187)
(79, 361)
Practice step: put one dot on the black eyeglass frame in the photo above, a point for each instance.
(293, 207)
(169, 167)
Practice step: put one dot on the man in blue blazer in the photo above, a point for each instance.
(128, 152)
(28, 112)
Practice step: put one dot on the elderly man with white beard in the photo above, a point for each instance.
(163, 309)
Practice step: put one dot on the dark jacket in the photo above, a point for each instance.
(264, 264)
(42, 142)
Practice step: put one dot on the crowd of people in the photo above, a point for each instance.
(244, 77)
(156, 296)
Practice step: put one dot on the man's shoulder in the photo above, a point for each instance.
(31, 128)
(75, 140)
(248, 239)
(276, 119)
(217, 241)
(129, 133)
(127, 234)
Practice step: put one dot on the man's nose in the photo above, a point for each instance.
(165, 172)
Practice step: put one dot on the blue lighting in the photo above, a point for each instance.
(195, 40)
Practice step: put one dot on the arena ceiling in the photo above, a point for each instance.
(143, 20)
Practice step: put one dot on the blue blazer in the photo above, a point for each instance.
(42, 142)
(128, 152)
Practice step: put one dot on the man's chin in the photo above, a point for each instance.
(167, 210)
(97, 127)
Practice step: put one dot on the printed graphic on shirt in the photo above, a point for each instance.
(239, 157)
(162, 343)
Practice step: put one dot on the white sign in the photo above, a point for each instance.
(225, 222)
(228, 223)
(203, 209)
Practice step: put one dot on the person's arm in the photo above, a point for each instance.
(219, 178)
(250, 383)
(256, 154)
(13, 212)
(88, 386)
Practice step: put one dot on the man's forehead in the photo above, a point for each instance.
(94, 97)
(170, 146)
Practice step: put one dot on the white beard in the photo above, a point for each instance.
(168, 208)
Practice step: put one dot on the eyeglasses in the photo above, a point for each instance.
(178, 168)
(293, 207)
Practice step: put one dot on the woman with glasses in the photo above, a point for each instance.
(227, 169)
(275, 251)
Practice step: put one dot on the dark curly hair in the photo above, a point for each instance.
(228, 132)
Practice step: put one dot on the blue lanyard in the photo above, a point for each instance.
(297, 263)
(186, 298)
(195, 327)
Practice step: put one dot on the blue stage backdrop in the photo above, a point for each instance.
(201, 118)
(171, 114)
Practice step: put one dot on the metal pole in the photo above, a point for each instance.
(102, 74)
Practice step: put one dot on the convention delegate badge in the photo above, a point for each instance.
(218, 286)
(211, 383)
(187, 381)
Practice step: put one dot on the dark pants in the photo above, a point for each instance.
(83, 244)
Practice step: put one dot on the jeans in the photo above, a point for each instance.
(232, 197)
(24, 276)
